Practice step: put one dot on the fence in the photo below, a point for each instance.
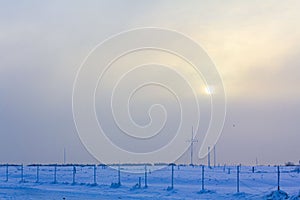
(233, 179)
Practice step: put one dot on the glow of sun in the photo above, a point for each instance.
(208, 90)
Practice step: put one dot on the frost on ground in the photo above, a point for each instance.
(219, 183)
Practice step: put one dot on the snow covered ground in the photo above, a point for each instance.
(220, 183)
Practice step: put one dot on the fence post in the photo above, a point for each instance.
(140, 182)
(6, 173)
(278, 178)
(22, 173)
(119, 175)
(146, 176)
(238, 179)
(55, 171)
(37, 173)
(74, 172)
(172, 177)
(202, 177)
(95, 174)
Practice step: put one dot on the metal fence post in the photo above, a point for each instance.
(140, 182)
(238, 179)
(278, 178)
(95, 174)
(6, 173)
(172, 177)
(202, 177)
(55, 172)
(37, 173)
(119, 175)
(146, 176)
(22, 173)
(74, 172)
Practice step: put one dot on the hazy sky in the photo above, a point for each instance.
(254, 44)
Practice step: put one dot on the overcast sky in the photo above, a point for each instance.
(254, 44)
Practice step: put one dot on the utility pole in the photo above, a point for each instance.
(192, 141)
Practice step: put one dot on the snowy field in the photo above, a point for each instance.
(219, 183)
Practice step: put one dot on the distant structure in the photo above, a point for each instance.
(192, 141)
